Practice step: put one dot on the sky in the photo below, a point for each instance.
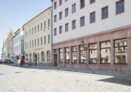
(15, 13)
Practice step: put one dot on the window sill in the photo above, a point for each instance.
(119, 13)
(82, 63)
(104, 18)
(73, 62)
(92, 63)
(105, 63)
(120, 64)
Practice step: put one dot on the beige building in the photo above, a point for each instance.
(37, 38)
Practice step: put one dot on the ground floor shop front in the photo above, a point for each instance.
(109, 50)
(39, 57)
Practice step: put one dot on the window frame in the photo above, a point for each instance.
(81, 7)
(72, 24)
(94, 17)
(120, 7)
(105, 13)
(81, 21)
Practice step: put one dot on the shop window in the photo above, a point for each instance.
(83, 54)
(121, 51)
(67, 55)
(74, 54)
(105, 52)
(93, 53)
(61, 56)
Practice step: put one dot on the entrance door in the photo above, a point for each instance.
(55, 60)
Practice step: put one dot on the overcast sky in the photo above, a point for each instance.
(15, 13)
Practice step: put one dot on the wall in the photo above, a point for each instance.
(113, 21)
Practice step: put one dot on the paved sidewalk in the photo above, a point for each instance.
(121, 75)
(52, 79)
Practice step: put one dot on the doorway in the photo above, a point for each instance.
(55, 59)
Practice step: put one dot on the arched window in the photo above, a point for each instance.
(48, 55)
(42, 56)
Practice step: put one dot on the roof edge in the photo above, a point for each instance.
(37, 15)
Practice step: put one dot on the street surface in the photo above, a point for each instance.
(16, 79)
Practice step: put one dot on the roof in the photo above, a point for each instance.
(38, 15)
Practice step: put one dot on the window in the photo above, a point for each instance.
(74, 54)
(119, 6)
(67, 55)
(38, 28)
(66, 12)
(105, 12)
(60, 15)
(32, 43)
(35, 42)
(44, 39)
(60, 2)
(60, 29)
(42, 56)
(32, 31)
(41, 40)
(61, 58)
(55, 5)
(38, 41)
(66, 27)
(35, 29)
(92, 17)
(92, 1)
(121, 51)
(93, 53)
(41, 26)
(44, 25)
(48, 38)
(83, 54)
(48, 23)
(82, 3)
(55, 31)
(48, 55)
(82, 21)
(105, 52)
(74, 24)
(55, 18)
(73, 8)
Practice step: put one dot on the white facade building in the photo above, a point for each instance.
(18, 43)
(92, 34)
(100, 25)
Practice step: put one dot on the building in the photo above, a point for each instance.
(92, 34)
(37, 38)
(18, 44)
(3, 51)
(10, 44)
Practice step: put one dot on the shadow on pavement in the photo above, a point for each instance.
(116, 80)
(1, 74)
(17, 72)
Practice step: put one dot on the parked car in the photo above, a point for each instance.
(7, 61)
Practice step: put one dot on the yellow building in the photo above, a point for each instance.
(37, 38)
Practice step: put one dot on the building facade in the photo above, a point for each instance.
(18, 44)
(92, 34)
(37, 38)
(9, 45)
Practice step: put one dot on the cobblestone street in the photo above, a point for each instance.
(16, 79)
